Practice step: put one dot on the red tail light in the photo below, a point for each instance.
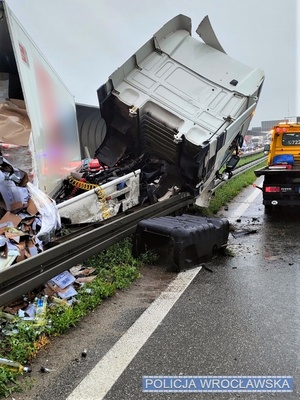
(272, 189)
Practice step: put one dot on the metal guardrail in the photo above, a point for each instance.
(88, 240)
(78, 246)
(240, 170)
(249, 165)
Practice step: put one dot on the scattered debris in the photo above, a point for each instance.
(41, 311)
(238, 233)
(207, 269)
(88, 291)
(45, 370)
(271, 258)
(84, 353)
(28, 217)
(60, 291)
(13, 366)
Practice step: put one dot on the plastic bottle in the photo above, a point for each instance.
(7, 316)
(60, 302)
(41, 310)
(13, 366)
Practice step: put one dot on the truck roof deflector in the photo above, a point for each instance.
(207, 34)
(180, 22)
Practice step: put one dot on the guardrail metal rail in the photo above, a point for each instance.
(84, 242)
(79, 245)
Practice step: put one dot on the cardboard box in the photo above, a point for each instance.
(9, 219)
(12, 195)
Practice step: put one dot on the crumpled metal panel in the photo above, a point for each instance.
(190, 88)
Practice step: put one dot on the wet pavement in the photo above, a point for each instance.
(239, 317)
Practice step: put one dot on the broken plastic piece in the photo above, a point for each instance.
(44, 369)
(84, 353)
(89, 291)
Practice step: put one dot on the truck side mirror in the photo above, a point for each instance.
(232, 163)
(266, 149)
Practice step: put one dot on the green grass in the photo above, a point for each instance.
(116, 269)
(232, 188)
(227, 192)
(248, 159)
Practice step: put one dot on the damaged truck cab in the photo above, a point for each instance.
(170, 123)
(182, 101)
(170, 120)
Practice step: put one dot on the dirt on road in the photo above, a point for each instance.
(69, 357)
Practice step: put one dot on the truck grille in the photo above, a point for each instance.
(158, 139)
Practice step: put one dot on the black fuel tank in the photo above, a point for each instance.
(183, 241)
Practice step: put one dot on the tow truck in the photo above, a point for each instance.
(281, 186)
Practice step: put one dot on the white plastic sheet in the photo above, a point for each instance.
(47, 207)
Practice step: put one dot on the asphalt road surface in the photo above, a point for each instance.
(237, 315)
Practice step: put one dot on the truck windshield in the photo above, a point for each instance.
(291, 139)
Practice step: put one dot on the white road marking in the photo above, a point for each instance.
(245, 205)
(103, 376)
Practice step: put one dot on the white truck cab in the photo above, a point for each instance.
(168, 119)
